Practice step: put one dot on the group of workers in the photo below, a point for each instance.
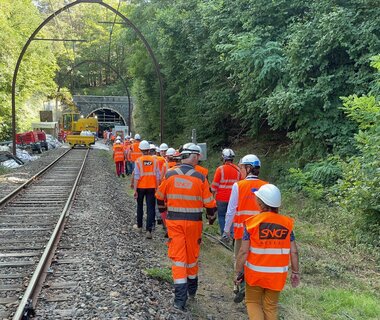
(247, 211)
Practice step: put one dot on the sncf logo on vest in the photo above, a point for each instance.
(147, 163)
(182, 183)
(272, 231)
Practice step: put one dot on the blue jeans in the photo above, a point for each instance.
(128, 167)
(222, 209)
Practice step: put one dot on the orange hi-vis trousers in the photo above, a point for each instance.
(184, 245)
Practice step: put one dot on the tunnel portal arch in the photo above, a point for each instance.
(32, 37)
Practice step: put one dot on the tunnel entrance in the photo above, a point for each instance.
(108, 119)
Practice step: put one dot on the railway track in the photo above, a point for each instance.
(31, 221)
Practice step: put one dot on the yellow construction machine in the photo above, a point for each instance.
(77, 130)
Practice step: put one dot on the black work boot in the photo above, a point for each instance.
(180, 296)
(192, 286)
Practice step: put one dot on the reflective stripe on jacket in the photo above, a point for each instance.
(225, 176)
(247, 205)
(185, 192)
(147, 166)
(118, 153)
(268, 257)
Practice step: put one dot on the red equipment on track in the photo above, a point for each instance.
(35, 139)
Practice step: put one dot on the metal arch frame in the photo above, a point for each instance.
(116, 12)
(117, 73)
(113, 110)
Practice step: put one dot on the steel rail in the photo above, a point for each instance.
(210, 236)
(30, 293)
(25, 184)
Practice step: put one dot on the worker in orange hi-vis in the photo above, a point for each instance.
(162, 157)
(224, 178)
(134, 151)
(169, 163)
(127, 147)
(119, 157)
(197, 167)
(268, 246)
(105, 133)
(242, 205)
(146, 177)
(184, 193)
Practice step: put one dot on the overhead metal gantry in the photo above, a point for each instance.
(52, 16)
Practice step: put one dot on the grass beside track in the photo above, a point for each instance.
(340, 277)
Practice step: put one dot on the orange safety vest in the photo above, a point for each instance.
(127, 146)
(147, 166)
(118, 152)
(135, 151)
(202, 170)
(161, 162)
(247, 205)
(225, 176)
(185, 192)
(268, 258)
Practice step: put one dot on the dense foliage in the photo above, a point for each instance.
(18, 19)
(233, 66)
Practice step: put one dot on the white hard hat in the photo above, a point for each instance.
(144, 145)
(252, 160)
(164, 147)
(118, 138)
(152, 146)
(270, 195)
(157, 149)
(186, 145)
(228, 154)
(170, 152)
(118, 141)
(190, 149)
(137, 136)
(128, 137)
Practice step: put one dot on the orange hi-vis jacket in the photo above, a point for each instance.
(147, 166)
(168, 166)
(127, 146)
(225, 176)
(172, 164)
(161, 162)
(247, 204)
(185, 192)
(118, 152)
(268, 258)
(135, 151)
(202, 170)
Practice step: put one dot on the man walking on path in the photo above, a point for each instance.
(145, 182)
(184, 193)
(268, 243)
(118, 157)
(134, 151)
(243, 204)
(225, 176)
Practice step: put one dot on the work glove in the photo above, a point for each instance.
(295, 279)
(239, 278)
